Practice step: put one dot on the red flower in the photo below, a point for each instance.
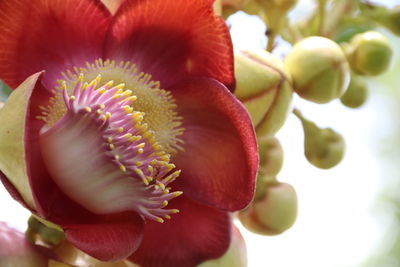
(100, 160)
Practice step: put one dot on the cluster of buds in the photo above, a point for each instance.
(328, 61)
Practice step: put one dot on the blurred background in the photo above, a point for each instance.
(348, 215)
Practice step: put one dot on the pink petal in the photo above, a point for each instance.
(49, 35)
(220, 159)
(172, 39)
(197, 233)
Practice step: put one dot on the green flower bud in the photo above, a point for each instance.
(274, 213)
(356, 94)
(236, 255)
(369, 53)
(323, 148)
(271, 155)
(319, 69)
(263, 86)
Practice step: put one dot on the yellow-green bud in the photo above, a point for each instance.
(271, 155)
(369, 53)
(356, 94)
(319, 69)
(263, 86)
(274, 213)
(236, 255)
(323, 148)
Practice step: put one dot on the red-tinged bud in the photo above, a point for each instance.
(236, 255)
(275, 213)
(263, 86)
(319, 69)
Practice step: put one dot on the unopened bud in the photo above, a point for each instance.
(263, 87)
(319, 69)
(236, 255)
(16, 251)
(323, 148)
(356, 94)
(275, 213)
(369, 53)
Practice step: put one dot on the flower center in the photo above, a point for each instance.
(108, 148)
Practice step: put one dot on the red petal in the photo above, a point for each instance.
(220, 158)
(197, 233)
(172, 39)
(108, 240)
(50, 35)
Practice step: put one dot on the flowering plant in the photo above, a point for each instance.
(107, 112)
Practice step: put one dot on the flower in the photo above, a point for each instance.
(109, 110)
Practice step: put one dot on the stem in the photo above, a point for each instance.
(271, 40)
(321, 10)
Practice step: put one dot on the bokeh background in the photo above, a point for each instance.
(349, 215)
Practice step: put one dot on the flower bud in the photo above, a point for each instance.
(271, 161)
(369, 53)
(263, 86)
(319, 69)
(275, 213)
(323, 148)
(236, 255)
(356, 94)
(16, 251)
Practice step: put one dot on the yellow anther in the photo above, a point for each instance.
(139, 172)
(145, 181)
(177, 193)
(72, 98)
(174, 211)
(161, 185)
(127, 93)
(138, 163)
(102, 106)
(158, 219)
(109, 139)
(166, 191)
(84, 86)
(99, 111)
(88, 109)
(63, 85)
(150, 169)
(127, 135)
(122, 168)
(128, 109)
(166, 216)
(120, 129)
(132, 98)
(153, 162)
(164, 204)
(141, 145)
(102, 90)
(140, 151)
(149, 178)
(120, 87)
(98, 79)
(108, 115)
(80, 78)
(109, 84)
(111, 146)
(117, 157)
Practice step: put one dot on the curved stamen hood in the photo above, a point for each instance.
(107, 148)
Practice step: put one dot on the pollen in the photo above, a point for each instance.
(138, 128)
